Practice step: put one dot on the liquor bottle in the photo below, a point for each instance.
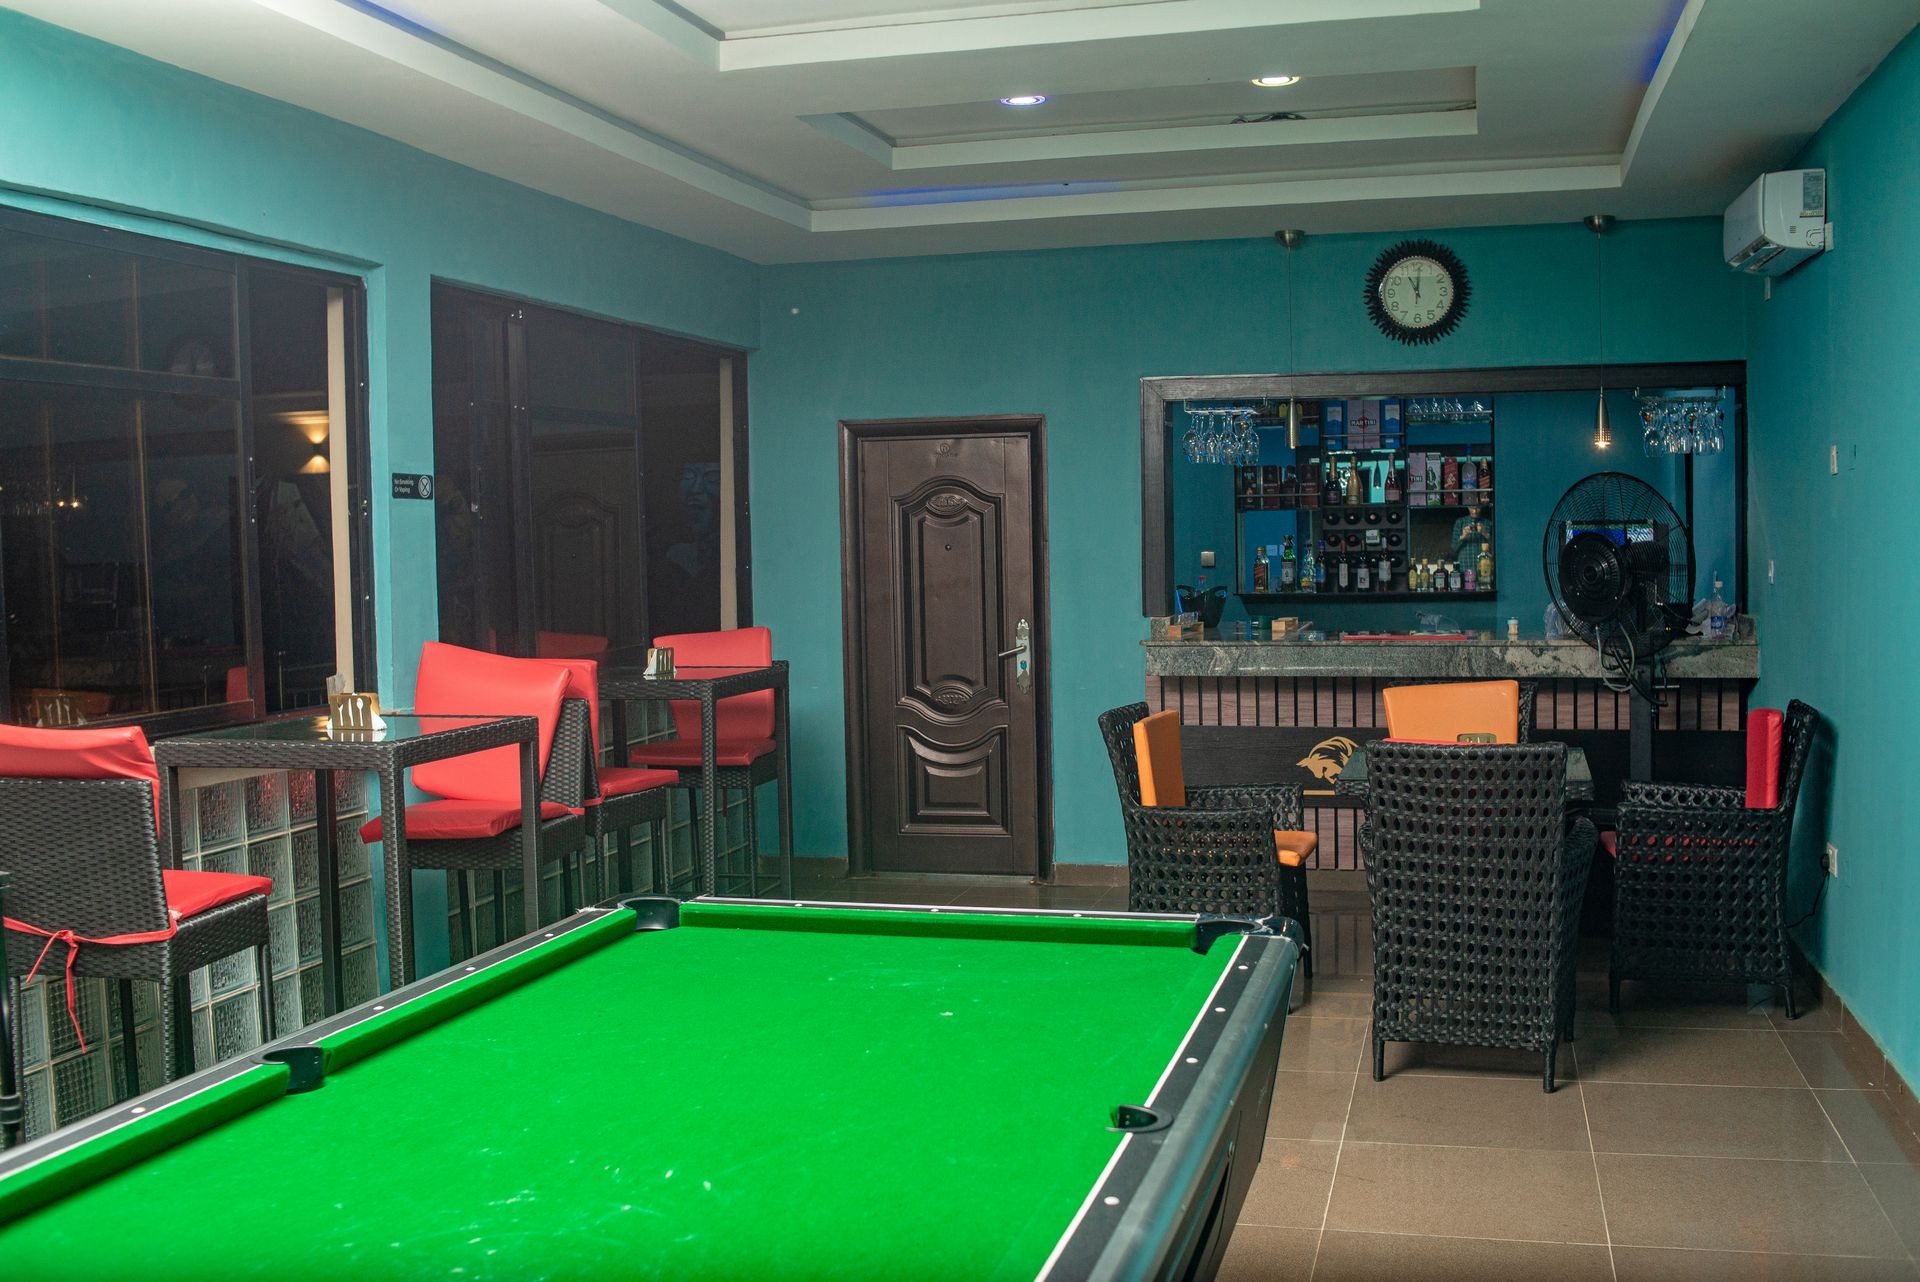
(1309, 572)
(1363, 582)
(1486, 567)
(1453, 576)
(1355, 493)
(1383, 578)
(1470, 578)
(1395, 471)
(1261, 568)
(1288, 569)
(1345, 577)
(1320, 569)
(1469, 475)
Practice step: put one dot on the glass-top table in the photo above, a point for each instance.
(623, 677)
(307, 743)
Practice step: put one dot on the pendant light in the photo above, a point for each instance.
(1600, 225)
(1291, 238)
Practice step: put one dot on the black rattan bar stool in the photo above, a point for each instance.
(13, 1110)
(1476, 881)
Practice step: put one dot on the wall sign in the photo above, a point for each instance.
(413, 485)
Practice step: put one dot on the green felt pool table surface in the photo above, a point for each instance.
(760, 1092)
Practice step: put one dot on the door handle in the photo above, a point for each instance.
(1022, 656)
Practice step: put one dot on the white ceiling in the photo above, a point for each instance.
(787, 130)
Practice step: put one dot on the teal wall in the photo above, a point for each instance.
(1069, 334)
(95, 132)
(1834, 362)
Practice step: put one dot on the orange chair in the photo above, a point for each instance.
(1237, 850)
(742, 726)
(1445, 713)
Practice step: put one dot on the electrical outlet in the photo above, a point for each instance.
(1833, 860)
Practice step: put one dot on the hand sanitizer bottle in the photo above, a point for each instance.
(1719, 613)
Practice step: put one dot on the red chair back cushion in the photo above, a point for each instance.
(745, 716)
(583, 682)
(1765, 729)
(116, 752)
(461, 682)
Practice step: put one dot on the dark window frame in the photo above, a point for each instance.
(359, 533)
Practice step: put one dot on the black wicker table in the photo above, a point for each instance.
(1352, 779)
(622, 680)
(304, 743)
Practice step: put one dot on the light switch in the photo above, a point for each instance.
(1833, 460)
(1206, 560)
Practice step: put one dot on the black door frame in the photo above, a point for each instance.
(854, 433)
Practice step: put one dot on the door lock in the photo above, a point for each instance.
(1022, 656)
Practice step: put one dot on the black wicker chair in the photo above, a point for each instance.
(619, 814)
(1476, 883)
(13, 1113)
(1700, 881)
(84, 853)
(1214, 855)
(566, 783)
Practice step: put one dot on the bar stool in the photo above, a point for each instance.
(13, 1111)
(743, 727)
(472, 824)
(79, 832)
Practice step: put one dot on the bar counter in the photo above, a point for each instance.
(1294, 711)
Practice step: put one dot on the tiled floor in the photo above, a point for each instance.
(1700, 1135)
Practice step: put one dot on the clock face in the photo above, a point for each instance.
(1417, 291)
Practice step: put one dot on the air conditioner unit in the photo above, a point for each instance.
(1778, 223)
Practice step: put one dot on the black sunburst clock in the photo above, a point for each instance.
(1417, 291)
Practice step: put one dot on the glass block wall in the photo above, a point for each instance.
(264, 826)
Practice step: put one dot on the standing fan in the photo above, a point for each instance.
(1619, 565)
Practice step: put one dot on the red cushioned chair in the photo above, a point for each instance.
(1700, 873)
(743, 726)
(79, 832)
(472, 823)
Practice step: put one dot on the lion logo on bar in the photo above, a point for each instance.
(1328, 758)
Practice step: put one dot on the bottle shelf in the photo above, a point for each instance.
(1395, 597)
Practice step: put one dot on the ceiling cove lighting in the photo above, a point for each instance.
(1024, 100)
(1274, 82)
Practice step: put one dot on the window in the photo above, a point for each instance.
(174, 466)
(585, 479)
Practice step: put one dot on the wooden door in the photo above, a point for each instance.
(943, 550)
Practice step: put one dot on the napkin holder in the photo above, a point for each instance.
(353, 713)
(660, 661)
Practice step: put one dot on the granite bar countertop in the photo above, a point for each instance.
(1684, 660)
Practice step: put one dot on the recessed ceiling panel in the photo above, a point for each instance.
(1172, 106)
(766, 17)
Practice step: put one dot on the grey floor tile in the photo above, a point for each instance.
(1512, 1194)
(1830, 1060)
(1896, 1185)
(1442, 1060)
(1323, 1045)
(1872, 1129)
(1256, 1253)
(1324, 1003)
(1487, 1112)
(1289, 1190)
(1674, 1006)
(1371, 1257)
(1711, 1121)
(1648, 1264)
(1687, 1056)
(1739, 1204)
(1310, 1106)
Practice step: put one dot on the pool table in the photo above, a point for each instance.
(712, 1089)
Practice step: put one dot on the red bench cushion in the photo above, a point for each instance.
(1765, 729)
(452, 819)
(685, 753)
(621, 781)
(461, 682)
(191, 893)
(116, 752)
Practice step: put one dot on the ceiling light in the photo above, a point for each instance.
(1024, 100)
(1275, 82)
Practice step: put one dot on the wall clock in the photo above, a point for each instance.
(1417, 291)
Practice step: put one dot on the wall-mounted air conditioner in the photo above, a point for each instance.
(1778, 223)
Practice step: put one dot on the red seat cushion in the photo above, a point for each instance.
(116, 752)
(451, 819)
(685, 753)
(460, 682)
(621, 781)
(1610, 842)
(1765, 729)
(191, 893)
(744, 716)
